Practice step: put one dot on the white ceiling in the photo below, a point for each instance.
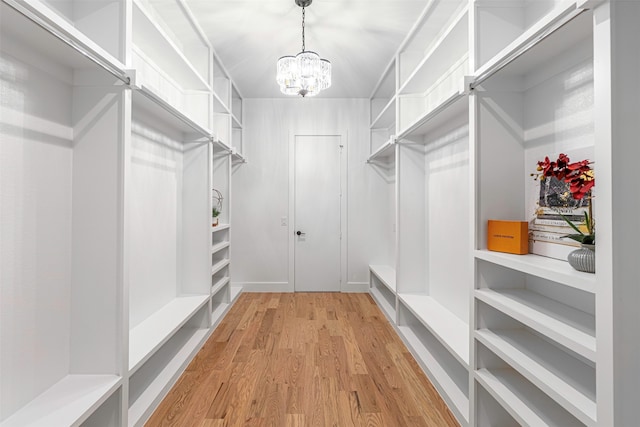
(359, 37)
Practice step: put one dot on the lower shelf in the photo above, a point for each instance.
(456, 397)
(148, 336)
(526, 403)
(150, 384)
(569, 381)
(68, 402)
(386, 307)
(452, 332)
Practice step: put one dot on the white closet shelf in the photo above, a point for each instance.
(221, 144)
(457, 399)
(235, 122)
(448, 328)
(218, 311)
(219, 106)
(147, 337)
(387, 308)
(219, 266)
(220, 227)
(217, 287)
(68, 46)
(456, 105)
(566, 325)
(528, 405)
(385, 88)
(567, 380)
(386, 274)
(387, 115)
(454, 41)
(385, 152)
(218, 247)
(238, 157)
(539, 266)
(146, 402)
(146, 99)
(149, 37)
(540, 43)
(68, 402)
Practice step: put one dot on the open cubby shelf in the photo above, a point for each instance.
(526, 403)
(568, 326)
(149, 335)
(452, 332)
(439, 370)
(569, 381)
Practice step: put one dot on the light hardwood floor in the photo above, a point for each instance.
(304, 359)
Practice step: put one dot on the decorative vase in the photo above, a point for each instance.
(214, 221)
(583, 259)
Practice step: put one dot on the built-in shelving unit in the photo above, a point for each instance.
(485, 89)
(536, 315)
(59, 294)
(126, 151)
(383, 109)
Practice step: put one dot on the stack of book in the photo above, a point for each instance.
(548, 232)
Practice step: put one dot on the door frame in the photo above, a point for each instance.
(342, 133)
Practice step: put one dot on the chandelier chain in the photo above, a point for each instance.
(303, 29)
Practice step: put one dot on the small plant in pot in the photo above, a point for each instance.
(215, 213)
(581, 179)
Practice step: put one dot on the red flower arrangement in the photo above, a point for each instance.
(581, 179)
(578, 175)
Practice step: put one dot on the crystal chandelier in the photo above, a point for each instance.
(306, 73)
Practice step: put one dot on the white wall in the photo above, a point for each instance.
(259, 252)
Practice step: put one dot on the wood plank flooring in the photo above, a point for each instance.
(304, 359)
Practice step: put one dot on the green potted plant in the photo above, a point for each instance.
(215, 213)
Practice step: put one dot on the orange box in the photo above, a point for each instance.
(508, 236)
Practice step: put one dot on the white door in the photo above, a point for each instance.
(317, 208)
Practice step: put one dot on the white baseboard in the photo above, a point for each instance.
(359, 287)
(264, 286)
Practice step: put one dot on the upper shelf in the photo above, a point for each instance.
(236, 106)
(386, 115)
(150, 102)
(557, 33)
(457, 105)
(221, 88)
(430, 30)
(452, 45)
(183, 29)
(386, 151)
(152, 39)
(68, 46)
(502, 26)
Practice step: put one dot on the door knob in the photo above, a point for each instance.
(300, 233)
